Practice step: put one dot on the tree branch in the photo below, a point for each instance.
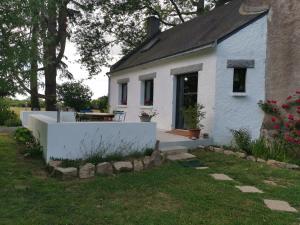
(177, 10)
(21, 83)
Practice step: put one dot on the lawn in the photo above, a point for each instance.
(171, 194)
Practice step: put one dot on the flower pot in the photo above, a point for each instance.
(194, 133)
(145, 118)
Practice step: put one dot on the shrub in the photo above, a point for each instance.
(260, 149)
(242, 139)
(193, 116)
(31, 147)
(7, 117)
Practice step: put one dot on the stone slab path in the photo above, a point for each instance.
(180, 156)
(249, 189)
(220, 176)
(279, 205)
(202, 168)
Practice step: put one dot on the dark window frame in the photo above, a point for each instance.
(148, 92)
(124, 93)
(239, 80)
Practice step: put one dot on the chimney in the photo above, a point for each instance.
(152, 26)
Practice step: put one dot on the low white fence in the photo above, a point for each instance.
(76, 140)
(65, 116)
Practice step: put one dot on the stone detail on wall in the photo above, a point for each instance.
(187, 69)
(240, 63)
(122, 81)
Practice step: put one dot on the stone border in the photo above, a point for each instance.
(89, 170)
(242, 155)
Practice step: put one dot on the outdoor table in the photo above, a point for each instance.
(95, 116)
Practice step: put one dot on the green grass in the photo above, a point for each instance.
(168, 195)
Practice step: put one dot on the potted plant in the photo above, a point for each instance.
(147, 116)
(192, 118)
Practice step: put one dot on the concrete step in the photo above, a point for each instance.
(172, 150)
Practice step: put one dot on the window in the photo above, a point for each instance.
(148, 92)
(123, 96)
(239, 80)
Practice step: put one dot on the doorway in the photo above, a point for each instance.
(187, 92)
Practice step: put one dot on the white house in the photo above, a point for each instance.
(217, 59)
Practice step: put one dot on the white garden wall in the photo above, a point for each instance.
(65, 116)
(165, 87)
(74, 140)
(240, 112)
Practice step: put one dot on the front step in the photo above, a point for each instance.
(174, 150)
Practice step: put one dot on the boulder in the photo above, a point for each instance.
(123, 166)
(65, 173)
(261, 160)
(87, 171)
(52, 164)
(146, 162)
(219, 150)
(138, 165)
(228, 152)
(292, 166)
(251, 158)
(275, 163)
(156, 159)
(241, 155)
(104, 168)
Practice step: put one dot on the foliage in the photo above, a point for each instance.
(32, 147)
(75, 95)
(149, 114)
(286, 120)
(7, 116)
(193, 116)
(242, 139)
(101, 104)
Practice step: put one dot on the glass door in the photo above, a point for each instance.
(187, 88)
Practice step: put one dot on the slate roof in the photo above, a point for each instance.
(203, 30)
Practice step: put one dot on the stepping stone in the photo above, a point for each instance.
(174, 150)
(279, 206)
(220, 176)
(202, 168)
(180, 156)
(249, 189)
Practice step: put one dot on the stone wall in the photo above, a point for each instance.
(283, 56)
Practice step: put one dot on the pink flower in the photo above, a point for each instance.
(274, 102)
(298, 92)
(276, 127)
(298, 100)
(285, 106)
(273, 119)
(288, 98)
(291, 117)
(298, 132)
(289, 138)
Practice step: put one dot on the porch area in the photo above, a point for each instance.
(168, 140)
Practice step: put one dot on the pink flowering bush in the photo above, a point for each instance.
(285, 117)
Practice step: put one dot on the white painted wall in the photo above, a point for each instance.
(164, 88)
(240, 112)
(73, 140)
(65, 116)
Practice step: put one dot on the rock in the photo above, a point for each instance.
(292, 166)
(146, 162)
(251, 158)
(241, 155)
(211, 148)
(138, 165)
(261, 160)
(104, 168)
(87, 171)
(228, 152)
(163, 156)
(155, 159)
(219, 150)
(123, 166)
(201, 146)
(53, 164)
(276, 163)
(26, 155)
(65, 173)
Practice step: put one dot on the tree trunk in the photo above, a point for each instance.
(50, 57)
